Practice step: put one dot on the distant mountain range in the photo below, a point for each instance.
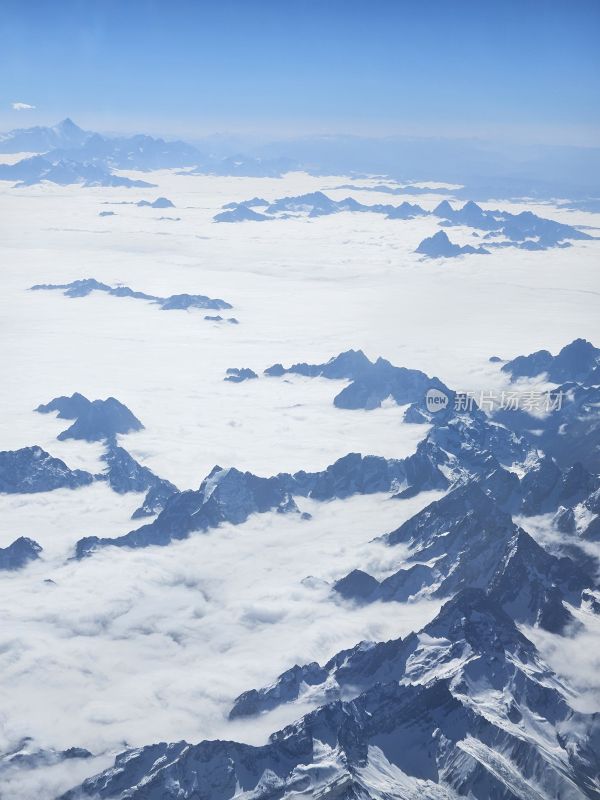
(502, 229)
(174, 302)
(483, 170)
(72, 155)
(34, 170)
(43, 139)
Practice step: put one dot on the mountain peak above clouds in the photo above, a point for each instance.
(41, 139)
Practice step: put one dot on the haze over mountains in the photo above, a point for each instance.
(482, 169)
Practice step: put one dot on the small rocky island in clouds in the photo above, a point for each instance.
(175, 302)
(502, 229)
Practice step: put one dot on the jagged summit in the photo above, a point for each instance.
(32, 469)
(68, 128)
(466, 541)
(372, 382)
(443, 209)
(19, 553)
(477, 618)
(95, 420)
(440, 246)
(577, 361)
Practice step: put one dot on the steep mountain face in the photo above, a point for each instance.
(451, 455)
(573, 494)
(32, 469)
(124, 474)
(466, 709)
(578, 361)
(470, 633)
(372, 382)
(225, 495)
(466, 540)
(570, 431)
(440, 246)
(463, 447)
(95, 420)
(19, 553)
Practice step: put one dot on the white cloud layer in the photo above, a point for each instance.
(154, 644)
(22, 107)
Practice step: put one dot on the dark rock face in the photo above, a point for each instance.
(67, 407)
(440, 246)
(226, 495)
(392, 736)
(156, 499)
(124, 474)
(570, 432)
(525, 229)
(466, 448)
(471, 542)
(25, 756)
(19, 553)
(351, 474)
(32, 469)
(94, 420)
(578, 361)
(372, 382)
(82, 288)
(356, 585)
(237, 375)
(363, 588)
(473, 635)
(545, 488)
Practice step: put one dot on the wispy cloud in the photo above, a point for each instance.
(22, 107)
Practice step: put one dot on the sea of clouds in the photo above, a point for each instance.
(130, 647)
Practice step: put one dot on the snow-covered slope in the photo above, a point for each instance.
(465, 707)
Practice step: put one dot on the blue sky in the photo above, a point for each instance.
(298, 66)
